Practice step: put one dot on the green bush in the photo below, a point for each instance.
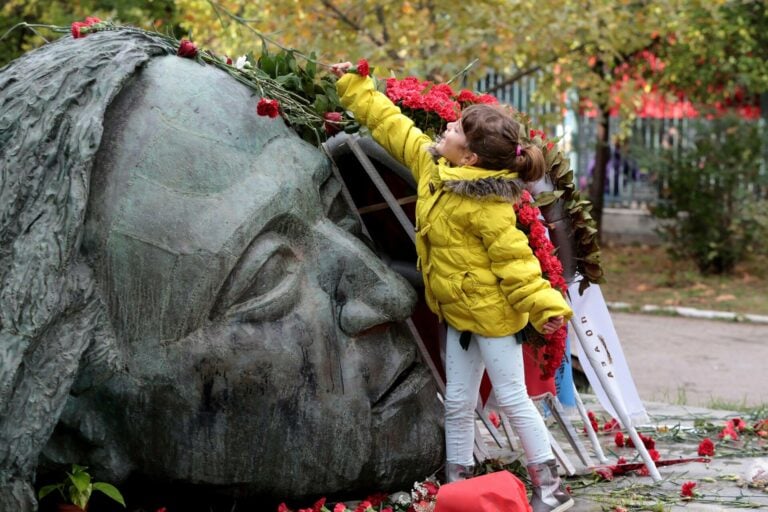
(712, 205)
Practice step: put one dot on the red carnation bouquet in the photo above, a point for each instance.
(431, 106)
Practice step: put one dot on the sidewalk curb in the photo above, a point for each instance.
(688, 312)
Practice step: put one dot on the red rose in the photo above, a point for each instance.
(268, 107)
(686, 491)
(332, 124)
(550, 145)
(362, 67)
(707, 447)
(187, 49)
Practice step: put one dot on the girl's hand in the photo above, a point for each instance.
(340, 68)
(553, 324)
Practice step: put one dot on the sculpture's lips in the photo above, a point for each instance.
(407, 384)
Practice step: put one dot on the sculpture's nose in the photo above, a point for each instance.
(367, 291)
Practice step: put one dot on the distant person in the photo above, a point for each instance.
(480, 275)
(620, 170)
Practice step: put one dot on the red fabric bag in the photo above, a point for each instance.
(495, 492)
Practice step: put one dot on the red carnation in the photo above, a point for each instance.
(283, 508)
(487, 99)
(431, 488)
(187, 49)
(686, 491)
(493, 417)
(318, 505)
(267, 107)
(619, 438)
(332, 124)
(76, 27)
(707, 447)
(466, 96)
(362, 67)
(340, 507)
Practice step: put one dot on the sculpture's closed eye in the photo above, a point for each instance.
(264, 283)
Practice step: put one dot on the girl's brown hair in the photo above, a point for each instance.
(494, 136)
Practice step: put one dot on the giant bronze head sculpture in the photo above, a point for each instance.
(184, 292)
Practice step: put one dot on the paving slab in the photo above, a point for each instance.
(721, 484)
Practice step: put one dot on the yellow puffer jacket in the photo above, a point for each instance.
(480, 274)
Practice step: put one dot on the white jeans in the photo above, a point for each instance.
(503, 358)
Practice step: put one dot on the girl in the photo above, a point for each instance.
(480, 275)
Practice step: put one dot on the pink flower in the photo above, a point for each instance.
(267, 107)
(187, 49)
(686, 490)
(706, 447)
(362, 67)
(494, 419)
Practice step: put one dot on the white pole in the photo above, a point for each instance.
(598, 357)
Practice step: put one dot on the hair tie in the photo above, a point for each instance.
(519, 150)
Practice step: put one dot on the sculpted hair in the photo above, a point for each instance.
(494, 136)
(52, 105)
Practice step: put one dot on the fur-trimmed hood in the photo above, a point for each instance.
(493, 188)
(481, 184)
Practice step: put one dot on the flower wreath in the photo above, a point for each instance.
(551, 346)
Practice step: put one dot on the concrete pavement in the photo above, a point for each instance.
(691, 361)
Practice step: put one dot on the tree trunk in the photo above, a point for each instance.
(602, 155)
